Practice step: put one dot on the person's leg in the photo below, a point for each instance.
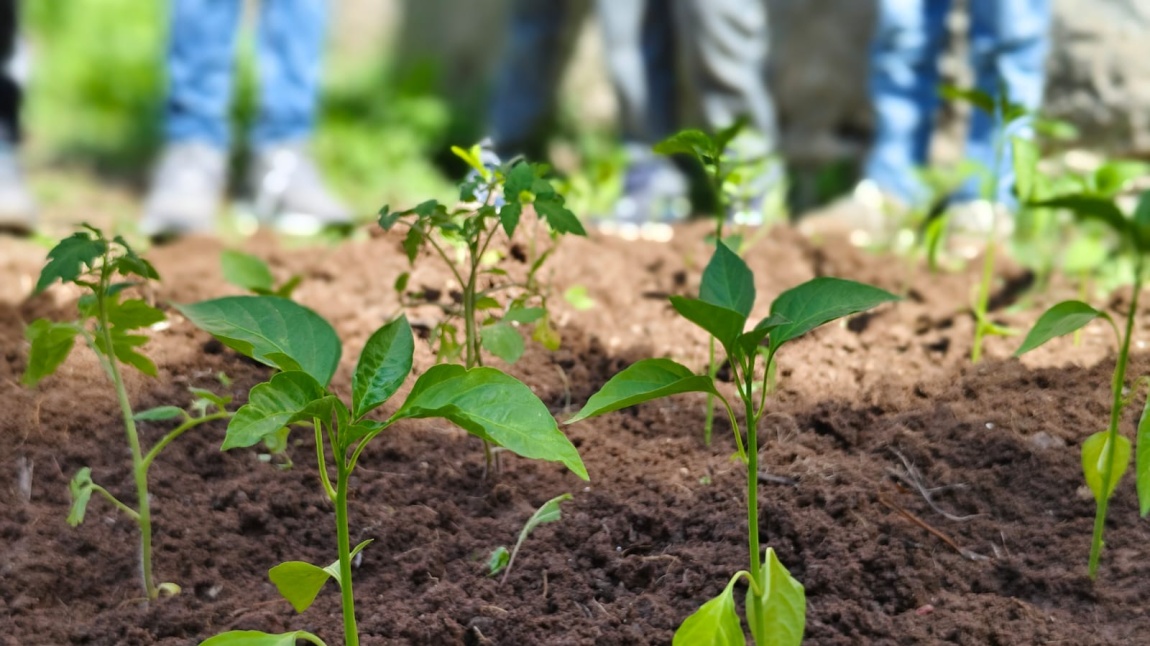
(623, 27)
(201, 57)
(1009, 40)
(17, 209)
(904, 77)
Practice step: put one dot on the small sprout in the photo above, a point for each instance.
(500, 560)
(577, 297)
(253, 274)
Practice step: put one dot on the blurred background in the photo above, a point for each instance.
(405, 79)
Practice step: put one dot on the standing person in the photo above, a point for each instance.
(1008, 45)
(17, 208)
(192, 173)
(657, 52)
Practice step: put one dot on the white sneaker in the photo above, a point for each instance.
(865, 218)
(290, 192)
(17, 208)
(187, 186)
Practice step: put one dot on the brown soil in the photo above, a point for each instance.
(661, 525)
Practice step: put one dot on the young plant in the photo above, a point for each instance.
(488, 322)
(253, 274)
(501, 560)
(110, 325)
(1106, 454)
(775, 602)
(285, 335)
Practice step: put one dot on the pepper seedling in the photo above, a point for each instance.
(110, 325)
(488, 322)
(253, 274)
(775, 601)
(292, 338)
(1106, 454)
(501, 560)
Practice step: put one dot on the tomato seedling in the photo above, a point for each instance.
(775, 602)
(292, 338)
(110, 325)
(1106, 454)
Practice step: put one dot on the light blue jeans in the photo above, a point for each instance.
(202, 62)
(1008, 45)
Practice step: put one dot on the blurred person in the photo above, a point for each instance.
(17, 208)
(1009, 40)
(191, 175)
(720, 48)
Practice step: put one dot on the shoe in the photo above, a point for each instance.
(17, 208)
(655, 197)
(290, 192)
(864, 217)
(972, 225)
(186, 189)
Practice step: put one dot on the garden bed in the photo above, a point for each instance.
(869, 415)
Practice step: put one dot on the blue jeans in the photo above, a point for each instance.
(201, 65)
(1008, 45)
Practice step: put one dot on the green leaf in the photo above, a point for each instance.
(558, 216)
(383, 365)
(69, 259)
(257, 638)
(820, 301)
(493, 406)
(412, 242)
(546, 335)
(978, 98)
(749, 342)
(271, 406)
(1113, 176)
(779, 616)
(1025, 157)
(246, 271)
(548, 512)
(1142, 460)
(388, 218)
(509, 215)
(1063, 318)
(695, 143)
(272, 330)
(50, 345)
(524, 314)
(520, 179)
(81, 490)
(577, 297)
(159, 414)
(1093, 207)
(641, 382)
(300, 582)
(1141, 225)
(1094, 463)
(498, 560)
(132, 314)
(728, 282)
(715, 623)
(724, 324)
(503, 341)
(472, 157)
(124, 349)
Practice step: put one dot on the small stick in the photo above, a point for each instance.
(965, 553)
(913, 478)
(767, 478)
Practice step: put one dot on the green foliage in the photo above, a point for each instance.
(1095, 454)
(715, 623)
(549, 512)
(300, 582)
(80, 489)
(256, 638)
(1142, 461)
(777, 614)
(1061, 319)
(50, 344)
(253, 274)
(641, 382)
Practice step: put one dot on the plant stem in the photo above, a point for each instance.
(350, 631)
(981, 324)
(128, 511)
(1112, 432)
(709, 421)
(178, 431)
(753, 474)
(139, 468)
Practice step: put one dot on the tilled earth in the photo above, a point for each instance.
(920, 499)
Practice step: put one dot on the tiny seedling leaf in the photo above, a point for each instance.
(577, 297)
(271, 406)
(1142, 460)
(51, 343)
(272, 330)
(715, 623)
(1094, 451)
(1061, 319)
(728, 282)
(69, 259)
(641, 382)
(246, 271)
(820, 301)
(159, 414)
(695, 143)
(383, 365)
(749, 341)
(132, 314)
(257, 638)
(498, 560)
(723, 323)
(300, 582)
(1093, 207)
(503, 341)
(549, 512)
(779, 616)
(492, 406)
(81, 490)
(558, 217)
(524, 314)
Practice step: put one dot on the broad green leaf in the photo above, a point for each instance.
(723, 323)
(299, 582)
(558, 216)
(820, 301)
(159, 414)
(503, 341)
(1025, 158)
(728, 282)
(509, 215)
(546, 335)
(257, 638)
(498, 560)
(520, 179)
(69, 259)
(246, 271)
(132, 314)
(81, 490)
(271, 406)
(695, 143)
(1112, 177)
(1060, 319)
(1141, 224)
(524, 314)
(641, 382)
(124, 349)
(715, 623)
(492, 406)
(1092, 207)
(1094, 463)
(1142, 460)
(50, 345)
(384, 364)
(779, 616)
(272, 330)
